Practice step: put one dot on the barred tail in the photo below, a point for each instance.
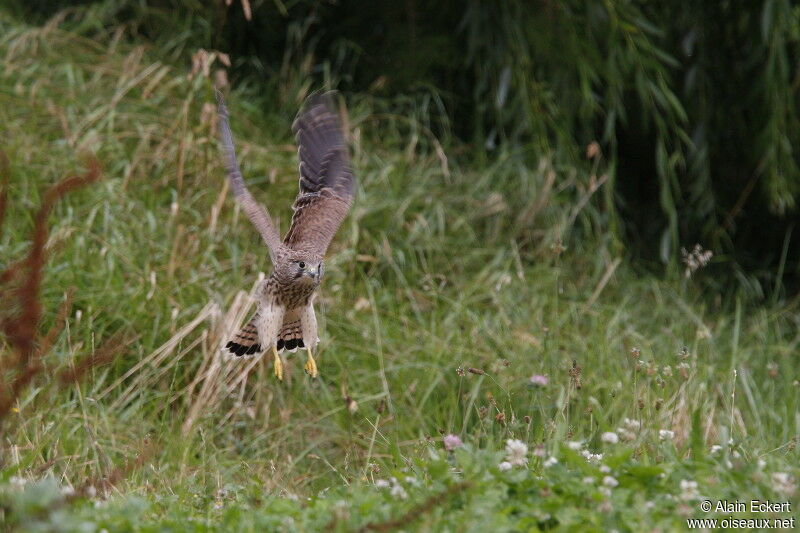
(291, 335)
(245, 341)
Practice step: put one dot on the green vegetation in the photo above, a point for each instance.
(454, 280)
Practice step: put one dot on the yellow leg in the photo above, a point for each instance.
(278, 364)
(311, 365)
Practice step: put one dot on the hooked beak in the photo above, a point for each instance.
(311, 273)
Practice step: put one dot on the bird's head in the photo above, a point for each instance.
(301, 269)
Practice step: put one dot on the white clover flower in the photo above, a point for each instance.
(626, 434)
(574, 445)
(398, 491)
(67, 491)
(605, 469)
(631, 424)
(588, 480)
(411, 481)
(689, 490)
(761, 463)
(381, 483)
(504, 466)
(715, 449)
(610, 482)
(665, 434)
(550, 462)
(516, 452)
(592, 457)
(609, 437)
(782, 482)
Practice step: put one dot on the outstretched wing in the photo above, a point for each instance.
(255, 212)
(326, 180)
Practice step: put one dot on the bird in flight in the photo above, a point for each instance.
(285, 319)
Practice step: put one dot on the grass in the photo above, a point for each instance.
(443, 266)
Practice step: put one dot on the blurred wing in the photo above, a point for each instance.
(326, 181)
(255, 212)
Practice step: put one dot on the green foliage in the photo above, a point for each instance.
(463, 491)
(694, 104)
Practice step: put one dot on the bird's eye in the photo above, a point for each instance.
(302, 264)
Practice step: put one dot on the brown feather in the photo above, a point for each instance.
(246, 341)
(326, 180)
(255, 211)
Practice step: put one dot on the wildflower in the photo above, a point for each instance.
(550, 462)
(609, 437)
(772, 369)
(539, 451)
(539, 380)
(635, 352)
(626, 434)
(588, 480)
(782, 482)
(696, 259)
(451, 442)
(631, 423)
(689, 490)
(592, 457)
(667, 371)
(574, 445)
(665, 434)
(67, 491)
(605, 469)
(516, 452)
(610, 482)
(461, 372)
(381, 483)
(397, 490)
(504, 466)
(715, 449)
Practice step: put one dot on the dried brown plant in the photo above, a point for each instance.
(22, 310)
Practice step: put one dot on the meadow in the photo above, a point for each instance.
(490, 358)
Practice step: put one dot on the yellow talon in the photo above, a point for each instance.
(278, 364)
(311, 365)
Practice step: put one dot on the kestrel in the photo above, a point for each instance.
(285, 319)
